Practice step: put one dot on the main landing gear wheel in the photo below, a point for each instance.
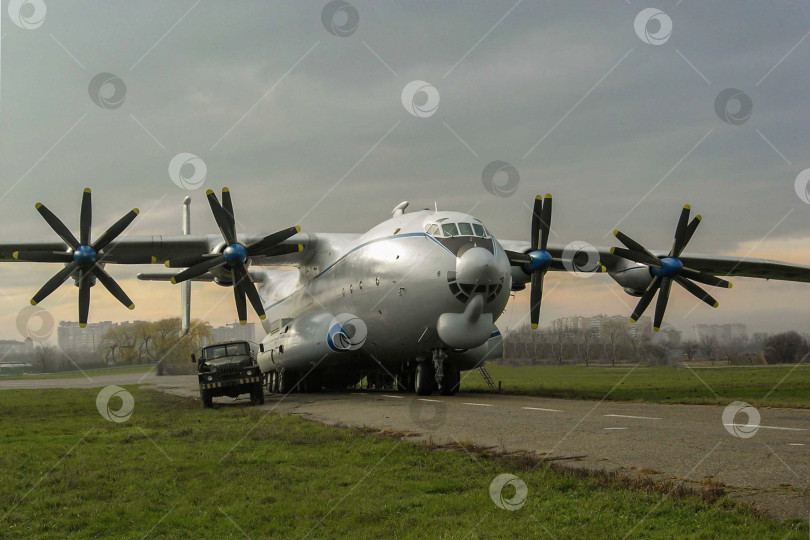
(424, 379)
(451, 381)
(257, 394)
(286, 382)
(207, 399)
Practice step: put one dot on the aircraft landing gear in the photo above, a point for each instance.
(424, 379)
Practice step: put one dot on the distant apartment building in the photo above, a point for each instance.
(232, 332)
(600, 324)
(723, 333)
(12, 347)
(71, 337)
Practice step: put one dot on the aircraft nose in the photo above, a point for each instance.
(477, 265)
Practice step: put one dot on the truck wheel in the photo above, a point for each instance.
(207, 399)
(257, 394)
(424, 381)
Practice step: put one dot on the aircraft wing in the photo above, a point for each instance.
(714, 264)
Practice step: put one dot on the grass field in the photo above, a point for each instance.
(76, 374)
(174, 469)
(775, 386)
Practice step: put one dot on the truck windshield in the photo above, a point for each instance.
(230, 349)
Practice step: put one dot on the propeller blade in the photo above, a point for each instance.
(630, 243)
(661, 304)
(250, 289)
(57, 225)
(636, 256)
(227, 205)
(706, 279)
(54, 283)
(545, 222)
(690, 230)
(271, 240)
(115, 229)
(646, 298)
(518, 259)
(223, 222)
(199, 269)
(239, 296)
(680, 230)
(697, 291)
(110, 284)
(536, 218)
(191, 260)
(536, 297)
(86, 218)
(284, 249)
(84, 297)
(43, 256)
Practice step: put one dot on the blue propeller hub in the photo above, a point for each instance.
(84, 256)
(670, 266)
(540, 260)
(235, 254)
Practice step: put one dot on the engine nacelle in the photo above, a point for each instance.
(634, 277)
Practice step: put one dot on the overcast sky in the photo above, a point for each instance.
(617, 120)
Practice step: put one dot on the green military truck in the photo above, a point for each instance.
(228, 369)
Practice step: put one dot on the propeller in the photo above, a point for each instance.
(83, 257)
(538, 261)
(668, 269)
(234, 256)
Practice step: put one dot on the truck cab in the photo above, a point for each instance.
(228, 369)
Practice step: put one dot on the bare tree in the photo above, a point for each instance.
(690, 347)
(788, 348)
(708, 344)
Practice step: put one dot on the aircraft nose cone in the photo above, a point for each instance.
(477, 265)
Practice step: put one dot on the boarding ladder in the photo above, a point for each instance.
(485, 374)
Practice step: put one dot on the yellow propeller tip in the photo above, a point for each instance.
(174, 281)
(687, 207)
(226, 190)
(699, 217)
(612, 250)
(33, 302)
(136, 211)
(656, 329)
(602, 268)
(87, 190)
(716, 305)
(548, 195)
(82, 325)
(262, 317)
(632, 320)
(15, 255)
(209, 191)
(538, 197)
(297, 228)
(167, 264)
(616, 232)
(152, 259)
(131, 306)
(243, 322)
(300, 247)
(534, 326)
(730, 285)
(38, 205)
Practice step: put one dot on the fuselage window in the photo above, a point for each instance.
(479, 229)
(465, 229)
(450, 229)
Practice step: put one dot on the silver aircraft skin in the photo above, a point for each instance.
(413, 301)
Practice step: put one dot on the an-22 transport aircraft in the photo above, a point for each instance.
(414, 299)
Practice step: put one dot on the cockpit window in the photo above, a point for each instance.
(479, 229)
(450, 229)
(465, 229)
(431, 229)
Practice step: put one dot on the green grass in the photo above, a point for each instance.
(759, 386)
(175, 470)
(77, 374)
